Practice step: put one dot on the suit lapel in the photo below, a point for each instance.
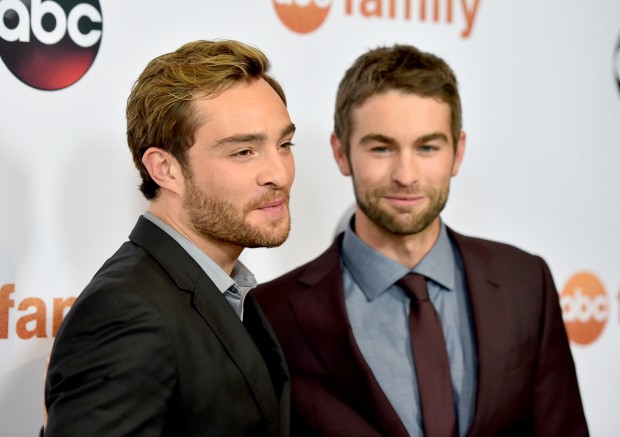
(321, 312)
(217, 313)
(260, 330)
(490, 314)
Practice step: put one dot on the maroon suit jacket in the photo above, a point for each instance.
(526, 376)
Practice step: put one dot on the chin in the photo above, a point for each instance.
(275, 239)
(266, 243)
(266, 236)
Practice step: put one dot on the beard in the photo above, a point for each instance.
(403, 221)
(215, 218)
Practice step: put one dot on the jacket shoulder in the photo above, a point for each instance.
(490, 248)
(301, 277)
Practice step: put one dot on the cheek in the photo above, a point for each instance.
(365, 181)
(224, 184)
(370, 173)
(439, 176)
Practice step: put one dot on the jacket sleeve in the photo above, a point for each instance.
(111, 370)
(557, 407)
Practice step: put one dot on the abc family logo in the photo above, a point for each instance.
(304, 16)
(49, 44)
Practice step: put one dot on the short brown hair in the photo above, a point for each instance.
(159, 112)
(400, 67)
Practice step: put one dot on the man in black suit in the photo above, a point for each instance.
(165, 341)
(403, 326)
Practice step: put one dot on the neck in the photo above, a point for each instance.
(224, 254)
(407, 250)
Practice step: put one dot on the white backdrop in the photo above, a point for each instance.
(539, 83)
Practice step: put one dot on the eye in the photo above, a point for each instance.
(427, 148)
(243, 153)
(286, 146)
(380, 149)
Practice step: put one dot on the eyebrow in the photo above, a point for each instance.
(389, 140)
(252, 137)
(379, 138)
(288, 130)
(432, 137)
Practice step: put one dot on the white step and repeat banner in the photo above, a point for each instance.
(540, 82)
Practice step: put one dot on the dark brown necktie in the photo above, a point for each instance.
(431, 360)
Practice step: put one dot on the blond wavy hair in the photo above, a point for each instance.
(159, 111)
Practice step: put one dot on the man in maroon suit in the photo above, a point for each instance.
(404, 327)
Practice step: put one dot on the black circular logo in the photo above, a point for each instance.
(49, 44)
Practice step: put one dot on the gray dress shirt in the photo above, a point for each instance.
(233, 288)
(378, 312)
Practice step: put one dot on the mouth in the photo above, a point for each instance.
(275, 207)
(404, 200)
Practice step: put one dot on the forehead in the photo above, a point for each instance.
(245, 107)
(397, 111)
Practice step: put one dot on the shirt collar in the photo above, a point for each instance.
(241, 275)
(375, 272)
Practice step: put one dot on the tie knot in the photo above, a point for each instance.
(414, 285)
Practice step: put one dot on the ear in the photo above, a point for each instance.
(163, 168)
(459, 153)
(339, 155)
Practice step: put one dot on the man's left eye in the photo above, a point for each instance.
(287, 145)
(427, 148)
(243, 153)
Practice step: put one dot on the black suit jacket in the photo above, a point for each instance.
(526, 376)
(152, 348)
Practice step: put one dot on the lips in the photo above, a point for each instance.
(272, 204)
(404, 200)
(403, 197)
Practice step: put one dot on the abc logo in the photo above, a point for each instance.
(302, 16)
(51, 44)
(585, 308)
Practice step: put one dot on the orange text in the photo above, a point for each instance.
(30, 314)
(436, 10)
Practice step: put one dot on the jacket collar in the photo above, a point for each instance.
(217, 313)
(321, 312)
(333, 341)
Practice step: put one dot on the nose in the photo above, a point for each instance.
(277, 169)
(405, 170)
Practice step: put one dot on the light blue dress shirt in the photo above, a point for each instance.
(234, 288)
(378, 312)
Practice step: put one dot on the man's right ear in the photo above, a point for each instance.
(163, 169)
(339, 155)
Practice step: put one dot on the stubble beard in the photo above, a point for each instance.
(404, 222)
(219, 219)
